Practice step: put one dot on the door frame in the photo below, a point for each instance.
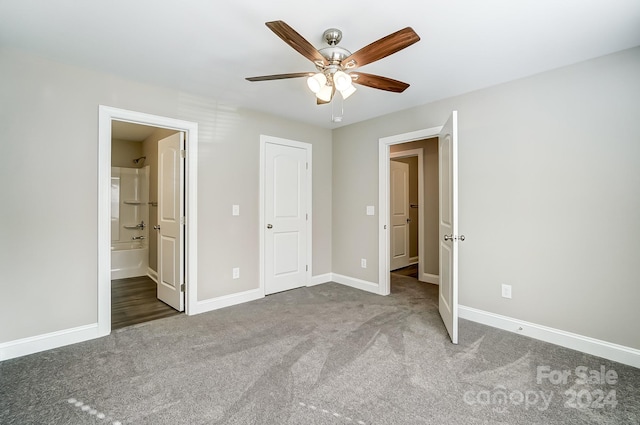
(384, 287)
(408, 154)
(264, 139)
(407, 212)
(107, 114)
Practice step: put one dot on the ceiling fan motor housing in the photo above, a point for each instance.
(332, 36)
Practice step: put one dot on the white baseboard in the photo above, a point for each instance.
(320, 279)
(153, 275)
(356, 283)
(35, 344)
(226, 301)
(619, 353)
(430, 278)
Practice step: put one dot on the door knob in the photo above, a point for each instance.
(408, 220)
(156, 227)
(269, 226)
(448, 238)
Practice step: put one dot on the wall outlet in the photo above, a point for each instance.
(506, 291)
(363, 263)
(371, 210)
(235, 210)
(236, 273)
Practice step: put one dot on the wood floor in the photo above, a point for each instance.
(411, 271)
(133, 301)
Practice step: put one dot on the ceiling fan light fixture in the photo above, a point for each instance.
(342, 80)
(325, 93)
(348, 92)
(316, 82)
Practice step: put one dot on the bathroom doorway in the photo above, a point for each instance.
(134, 218)
(140, 233)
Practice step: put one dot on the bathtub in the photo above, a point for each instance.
(129, 259)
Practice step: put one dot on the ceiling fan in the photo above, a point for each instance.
(337, 66)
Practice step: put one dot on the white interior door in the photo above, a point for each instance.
(448, 219)
(285, 209)
(399, 212)
(171, 221)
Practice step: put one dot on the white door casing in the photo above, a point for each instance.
(448, 227)
(171, 221)
(107, 114)
(286, 232)
(384, 154)
(399, 214)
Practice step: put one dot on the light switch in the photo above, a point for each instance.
(371, 210)
(235, 210)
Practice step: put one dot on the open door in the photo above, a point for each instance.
(448, 219)
(171, 221)
(399, 214)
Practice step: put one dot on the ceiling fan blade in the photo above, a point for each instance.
(280, 76)
(378, 82)
(295, 40)
(382, 48)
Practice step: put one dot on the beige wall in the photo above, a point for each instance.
(123, 152)
(548, 195)
(48, 227)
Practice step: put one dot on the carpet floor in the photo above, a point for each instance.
(327, 354)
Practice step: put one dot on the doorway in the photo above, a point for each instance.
(420, 158)
(135, 271)
(107, 117)
(387, 147)
(448, 237)
(406, 202)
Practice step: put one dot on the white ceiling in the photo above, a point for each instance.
(208, 47)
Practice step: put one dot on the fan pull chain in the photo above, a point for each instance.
(334, 117)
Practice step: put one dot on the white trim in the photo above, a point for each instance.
(383, 198)
(106, 114)
(226, 301)
(320, 279)
(153, 275)
(618, 353)
(35, 344)
(355, 283)
(264, 139)
(430, 278)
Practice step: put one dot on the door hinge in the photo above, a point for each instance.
(182, 287)
(307, 165)
(307, 268)
(183, 221)
(183, 153)
(307, 216)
